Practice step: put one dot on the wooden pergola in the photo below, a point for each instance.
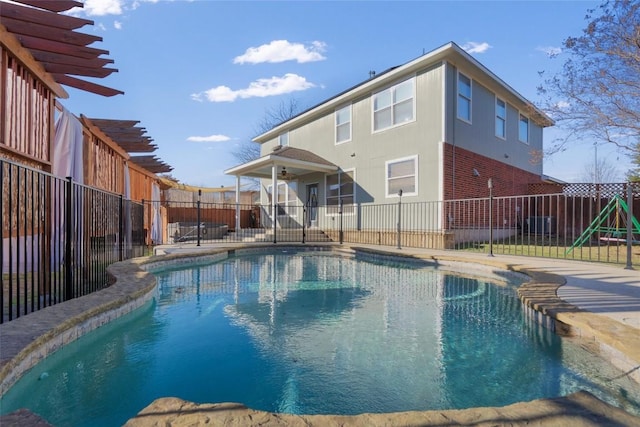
(133, 140)
(55, 45)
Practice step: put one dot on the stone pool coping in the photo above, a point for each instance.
(27, 340)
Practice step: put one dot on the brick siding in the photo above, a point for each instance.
(460, 182)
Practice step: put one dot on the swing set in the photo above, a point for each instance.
(614, 230)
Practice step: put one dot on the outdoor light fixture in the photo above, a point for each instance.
(284, 172)
(475, 172)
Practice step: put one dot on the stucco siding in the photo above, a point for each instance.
(421, 137)
(367, 152)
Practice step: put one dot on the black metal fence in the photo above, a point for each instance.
(58, 237)
(596, 223)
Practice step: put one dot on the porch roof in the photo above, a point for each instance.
(290, 162)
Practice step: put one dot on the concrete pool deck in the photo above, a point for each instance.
(600, 302)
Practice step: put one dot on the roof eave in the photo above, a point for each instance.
(440, 54)
(251, 168)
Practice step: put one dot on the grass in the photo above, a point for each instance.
(557, 248)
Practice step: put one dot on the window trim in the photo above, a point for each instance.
(413, 105)
(470, 99)
(350, 122)
(340, 172)
(415, 176)
(520, 117)
(504, 119)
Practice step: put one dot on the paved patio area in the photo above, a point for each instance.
(597, 301)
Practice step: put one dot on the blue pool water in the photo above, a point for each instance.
(315, 333)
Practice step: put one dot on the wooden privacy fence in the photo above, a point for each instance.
(213, 213)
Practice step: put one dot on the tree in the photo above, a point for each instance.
(169, 177)
(596, 96)
(600, 171)
(281, 113)
(634, 174)
(284, 111)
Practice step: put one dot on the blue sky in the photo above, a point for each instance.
(200, 75)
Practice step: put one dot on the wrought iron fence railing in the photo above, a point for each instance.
(58, 237)
(597, 224)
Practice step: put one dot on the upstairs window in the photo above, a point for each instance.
(523, 129)
(464, 97)
(283, 139)
(343, 124)
(501, 118)
(402, 174)
(394, 106)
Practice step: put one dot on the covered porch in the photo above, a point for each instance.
(297, 176)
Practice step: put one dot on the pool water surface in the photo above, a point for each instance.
(316, 333)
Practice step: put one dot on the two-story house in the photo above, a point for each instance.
(435, 128)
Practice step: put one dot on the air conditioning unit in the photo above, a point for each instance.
(541, 224)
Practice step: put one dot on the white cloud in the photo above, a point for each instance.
(475, 47)
(281, 51)
(259, 89)
(117, 25)
(550, 51)
(109, 7)
(210, 138)
(103, 7)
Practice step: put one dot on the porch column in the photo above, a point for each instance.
(274, 196)
(237, 203)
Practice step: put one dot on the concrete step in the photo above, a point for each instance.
(282, 235)
(295, 235)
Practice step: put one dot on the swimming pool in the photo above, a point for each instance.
(309, 332)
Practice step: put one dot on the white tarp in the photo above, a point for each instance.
(67, 161)
(156, 219)
(67, 148)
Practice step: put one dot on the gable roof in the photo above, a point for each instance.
(299, 154)
(449, 52)
(50, 38)
(297, 160)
